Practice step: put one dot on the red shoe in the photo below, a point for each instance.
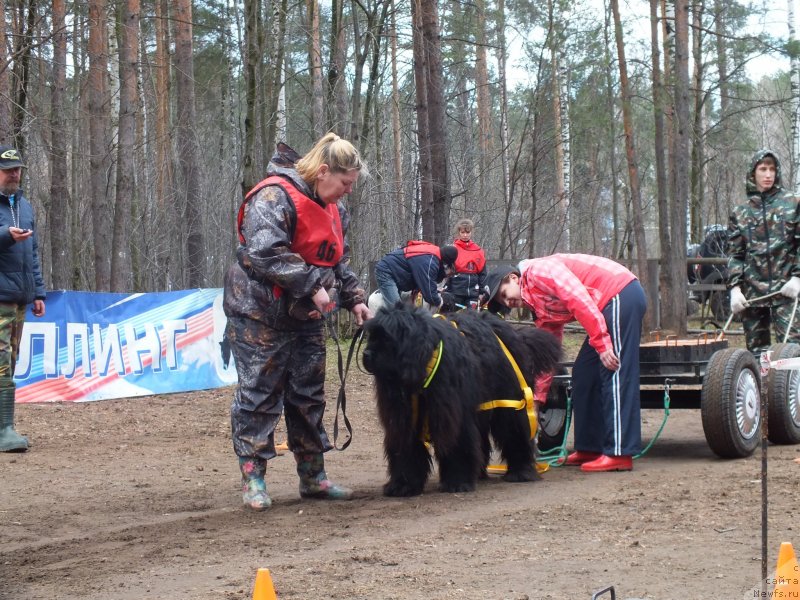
(608, 463)
(580, 456)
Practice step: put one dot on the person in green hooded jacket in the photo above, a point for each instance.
(763, 246)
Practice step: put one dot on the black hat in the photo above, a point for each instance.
(494, 279)
(10, 158)
(449, 254)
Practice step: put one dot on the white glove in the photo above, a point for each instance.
(738, 301)
(791, 288)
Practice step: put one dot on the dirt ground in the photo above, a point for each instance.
(139, 499)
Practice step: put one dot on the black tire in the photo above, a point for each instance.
(719, 301)
(783, 409)
(553, 417)
(730, 403)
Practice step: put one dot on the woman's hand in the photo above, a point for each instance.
(362, 313)
(609, 360)
(323, 301)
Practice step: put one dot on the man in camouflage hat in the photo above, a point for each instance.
(763, 245)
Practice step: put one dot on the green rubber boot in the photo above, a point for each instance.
(314, 483)
(10, 440)
(254, 490)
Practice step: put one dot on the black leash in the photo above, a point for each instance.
(341, 400)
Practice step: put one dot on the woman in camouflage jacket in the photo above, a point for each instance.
(291, 260)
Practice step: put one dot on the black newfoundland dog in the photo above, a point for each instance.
(434, 377)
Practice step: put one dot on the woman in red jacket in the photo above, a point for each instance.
(607, 299)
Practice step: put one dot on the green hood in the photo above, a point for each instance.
(751, 181)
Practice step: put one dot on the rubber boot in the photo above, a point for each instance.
(254, 490)
(314, 483)
(10, 440)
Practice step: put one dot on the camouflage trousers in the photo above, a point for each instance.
(757, 322)
(280, 372)
(12, 318)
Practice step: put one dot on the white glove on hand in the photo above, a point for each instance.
(791, 288)
(738, 301)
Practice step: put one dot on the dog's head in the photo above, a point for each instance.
(400, 341)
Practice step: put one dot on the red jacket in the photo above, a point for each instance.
(563, 288)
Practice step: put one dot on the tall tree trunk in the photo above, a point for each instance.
(616, 250)
(273, 86)
(126, 149)
(559, 114)
(337, 102)
(187, 143)
(23, 46)
(662, 196)
(251, 71)
(697, 185)
(315, 68)
(675, 315)
(6, 127)
(163, 164)
(630, 152)
(501, 82)
(423, 129)
(482, 100)
(436, 122)
(397, 138)
(795, 81)
(99, 144)
(60, 202)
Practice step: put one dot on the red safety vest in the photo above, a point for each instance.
(471, 258)
(418, 248)
(318, 235)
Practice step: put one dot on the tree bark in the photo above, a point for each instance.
(423, 128)
(252, 60)
(6, 128)
(187, 143)
(630, 153)
(58, 207)
(99, 144)
(315, 68)
(436, 122)
(126, 149)
(675, 313)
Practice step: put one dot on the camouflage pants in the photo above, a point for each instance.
(757, 322)
(12, 317)
(279, 372)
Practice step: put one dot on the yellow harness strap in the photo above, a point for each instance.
(525, 403)
(430, 368)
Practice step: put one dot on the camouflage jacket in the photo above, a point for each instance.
(764, 238)
(270, 283)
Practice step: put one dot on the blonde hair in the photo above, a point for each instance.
(340, 156)
(465, 224)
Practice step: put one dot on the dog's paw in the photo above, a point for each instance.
(456, 487)
(399, 489)
(522, 474)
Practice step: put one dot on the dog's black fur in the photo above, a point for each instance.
(473, 369)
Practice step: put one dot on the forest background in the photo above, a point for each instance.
(624, 130)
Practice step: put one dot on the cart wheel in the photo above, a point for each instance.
(552, 422)
(553, 417)
(784, 399)
(730, 403)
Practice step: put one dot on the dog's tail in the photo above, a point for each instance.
(544, 349)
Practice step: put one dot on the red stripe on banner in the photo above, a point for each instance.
(77, 387)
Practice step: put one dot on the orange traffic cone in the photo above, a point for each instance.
(787, 575)
(264, 590)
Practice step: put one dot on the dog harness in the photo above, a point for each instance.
(430, 369)
(525, 403)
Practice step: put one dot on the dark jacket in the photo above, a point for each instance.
(467, 283)
(270, 283)
(20, 274)
(421, 273)
(764, 237)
